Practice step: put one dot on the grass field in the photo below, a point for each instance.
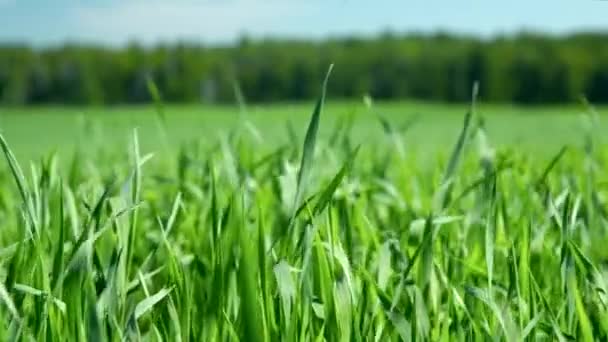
(240, 228)
(35, 131)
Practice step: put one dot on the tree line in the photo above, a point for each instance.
(525, 68)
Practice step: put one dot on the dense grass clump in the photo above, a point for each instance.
(323, 240)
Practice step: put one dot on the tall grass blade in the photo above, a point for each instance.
(443, 196)
(309, 145)
(21, 183)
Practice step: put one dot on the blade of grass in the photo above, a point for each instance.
(309, 146)
(148, 303)
(444, 192)
(20, 182)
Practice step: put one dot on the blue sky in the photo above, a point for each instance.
(112, 22)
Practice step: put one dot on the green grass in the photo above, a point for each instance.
(36, 131)
(238, 228)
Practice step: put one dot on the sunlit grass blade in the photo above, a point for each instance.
(135, 196)
(39, 293)
(309, 145)
(444, 192)
(147, 304)
(326, 195)
(20, 181)
(5, 297)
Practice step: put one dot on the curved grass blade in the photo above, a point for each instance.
(20, 181)
(39, 293)
(542, 179)
(443, 196)
(329, 191)
(309, 146)
(8, 302)
(325, 196)
(147, 304)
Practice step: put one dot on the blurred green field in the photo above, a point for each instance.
(34, 131)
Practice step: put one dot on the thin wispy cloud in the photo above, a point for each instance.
(152, 21)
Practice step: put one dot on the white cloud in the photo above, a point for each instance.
(151, 21)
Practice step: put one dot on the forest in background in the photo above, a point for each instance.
(526, 68)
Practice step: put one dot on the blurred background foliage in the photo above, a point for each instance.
(526, 68)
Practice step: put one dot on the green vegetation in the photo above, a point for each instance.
(527, 68)
(316, 236)
(541, 131)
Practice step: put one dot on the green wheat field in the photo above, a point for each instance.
(353, 221)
